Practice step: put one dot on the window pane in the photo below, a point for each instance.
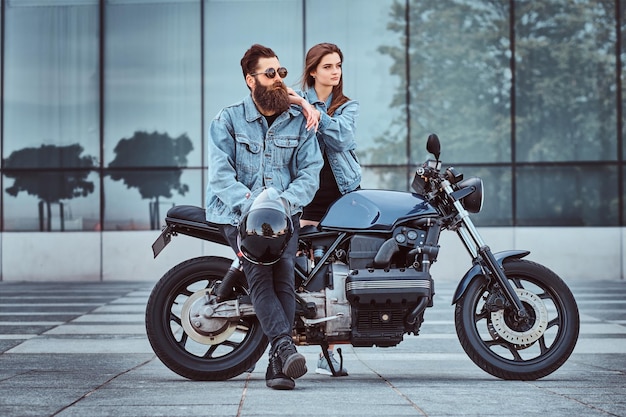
(51, 200)
(152, 74)
(51, 76)
(623, 61)
(369, 75)
(565, 80)
(229, 32)
(387, 178)
(497, 195)
(51, 112)
(460, 78)
(139, 199)
(567, 196)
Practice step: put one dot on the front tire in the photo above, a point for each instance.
(192, 355)
(513, 349)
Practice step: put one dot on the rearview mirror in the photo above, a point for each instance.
(433, 145)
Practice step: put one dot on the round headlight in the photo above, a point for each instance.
(473, 202)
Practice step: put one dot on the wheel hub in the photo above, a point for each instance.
(198, 323)
(521, 333)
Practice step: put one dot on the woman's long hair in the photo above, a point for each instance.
(313, 58)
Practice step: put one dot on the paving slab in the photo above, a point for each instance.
(80, 349)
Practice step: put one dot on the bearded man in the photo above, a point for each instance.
(259, 143)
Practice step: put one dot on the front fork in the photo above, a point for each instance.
(498, 271)
(479, 251)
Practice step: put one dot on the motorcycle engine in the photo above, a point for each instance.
(382, 301)
(365, 307)
(332, 310)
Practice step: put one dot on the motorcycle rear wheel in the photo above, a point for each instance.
(192, 355)
(510, 349)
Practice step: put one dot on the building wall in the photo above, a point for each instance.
(105, 107)
(574, 253)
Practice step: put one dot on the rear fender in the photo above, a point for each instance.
(476, 271)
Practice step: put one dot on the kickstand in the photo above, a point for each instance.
(335, 372)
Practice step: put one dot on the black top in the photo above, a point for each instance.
(325, 195)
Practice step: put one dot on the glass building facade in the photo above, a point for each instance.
(105, 103)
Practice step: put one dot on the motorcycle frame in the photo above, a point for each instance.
(331, 249)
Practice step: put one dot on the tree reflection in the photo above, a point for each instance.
(61, 174)
(154, 149)
(458, 81)
(565, 80)
(267, 229)
(541, 91)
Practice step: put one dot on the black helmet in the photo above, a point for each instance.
(265, 229)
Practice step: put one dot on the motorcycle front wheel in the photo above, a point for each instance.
(509, 348)
(173, 339)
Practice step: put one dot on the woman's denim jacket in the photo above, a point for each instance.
(336, 136)
(245, 156)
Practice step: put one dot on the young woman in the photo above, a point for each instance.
(336, 115)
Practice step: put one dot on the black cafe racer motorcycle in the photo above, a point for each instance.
(368, 284)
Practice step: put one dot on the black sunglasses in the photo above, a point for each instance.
(271, 72)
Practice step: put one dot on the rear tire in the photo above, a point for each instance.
(188, 355)
(519, 350)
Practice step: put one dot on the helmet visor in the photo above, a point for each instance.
(264, 234)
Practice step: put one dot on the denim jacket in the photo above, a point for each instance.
(245, 156)
(336, 136)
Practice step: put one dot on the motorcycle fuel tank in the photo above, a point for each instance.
(374, 210)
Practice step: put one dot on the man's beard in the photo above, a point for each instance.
(271, 99)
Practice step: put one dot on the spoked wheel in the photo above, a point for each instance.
(217, 350)
(510, 347)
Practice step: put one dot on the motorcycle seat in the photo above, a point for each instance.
(191, 221)
(190, 213)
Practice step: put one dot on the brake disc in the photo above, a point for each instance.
(199, 326)
(499, 327)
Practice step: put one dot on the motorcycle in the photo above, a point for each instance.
(363, 278)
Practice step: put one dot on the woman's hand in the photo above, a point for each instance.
(311, 114)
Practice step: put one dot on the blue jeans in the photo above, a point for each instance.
(272, 287)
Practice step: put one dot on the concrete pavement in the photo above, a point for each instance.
(79, 349)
